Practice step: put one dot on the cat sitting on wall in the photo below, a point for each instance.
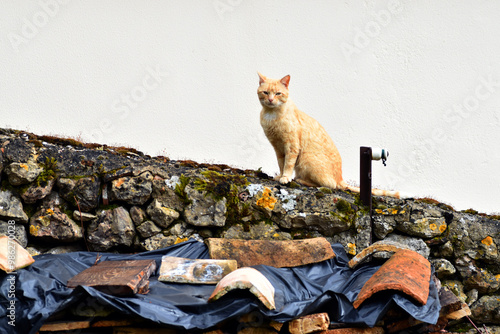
(300, 142)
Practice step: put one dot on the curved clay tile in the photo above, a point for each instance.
(379, 246)
(246, 278)
(406, 271)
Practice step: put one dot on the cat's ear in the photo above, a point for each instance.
(285, 81)
(261, 78)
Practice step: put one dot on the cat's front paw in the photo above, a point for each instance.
(285, 179)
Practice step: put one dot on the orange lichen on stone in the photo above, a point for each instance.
(24, 166)
(488, 241)
(433, 226)
(379, 211)
(179, 240)
(50, 211)
(34, 230)
(351, 248)
(394, 211)
(442, 228)
(267, 200)
(119, 182)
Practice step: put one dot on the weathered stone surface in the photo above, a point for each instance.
(383, 226)
(476, 237)
(148, 229)
(406, 271)
(132, 190)
(204, 210)
(16, 230)
(259, 231)
(476, 278)
(158, 241)
(161, 215)
(54, 200)
(309, 324)
(416, 244)
(278, 254)
(85, 190)
(456, 287)
(11, 207)
(386, 220)
(166, 195)
(472, 296)
(54, 225)
(113, 228)
(20, 173)
(17, 150)
(180, 229)
(138, 215)
(21, 259)
(36, 192)
(83, 216)
(65, 249)
(443, 267)
(423, 227)
(196, 271)
(246, 278)
(1, 165)
(486, 310)
(325, 223)
(445, 250)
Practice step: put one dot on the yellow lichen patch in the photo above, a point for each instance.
(276, 235)
(50, 211)
(488, 241)
(351, 248)
(394, 211)
(442, 228)
(403, 212)
(433, 226)
(34, 230)
(379, 211)
(267, 200)
(497, 277)
(179, 240)
(24, 166)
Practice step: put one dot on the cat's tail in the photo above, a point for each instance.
(375, 192)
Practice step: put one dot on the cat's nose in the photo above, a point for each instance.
(271, 99)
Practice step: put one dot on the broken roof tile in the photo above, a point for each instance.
(283, 253)
(406, 271)
(246, 278)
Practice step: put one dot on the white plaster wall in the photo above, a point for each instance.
(178, 78)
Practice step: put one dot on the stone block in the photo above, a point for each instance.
(196, 271)
(309, 324)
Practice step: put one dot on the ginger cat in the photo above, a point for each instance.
(300, 142)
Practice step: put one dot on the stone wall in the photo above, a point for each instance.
(66, 196)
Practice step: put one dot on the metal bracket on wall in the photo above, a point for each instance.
(366, 155)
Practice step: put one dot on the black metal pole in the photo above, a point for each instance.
(365, 181)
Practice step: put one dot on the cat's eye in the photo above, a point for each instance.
(265, 92)
(278, 93)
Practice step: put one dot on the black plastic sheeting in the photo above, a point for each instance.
(329, 286)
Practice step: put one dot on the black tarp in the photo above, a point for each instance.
(329, 286)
